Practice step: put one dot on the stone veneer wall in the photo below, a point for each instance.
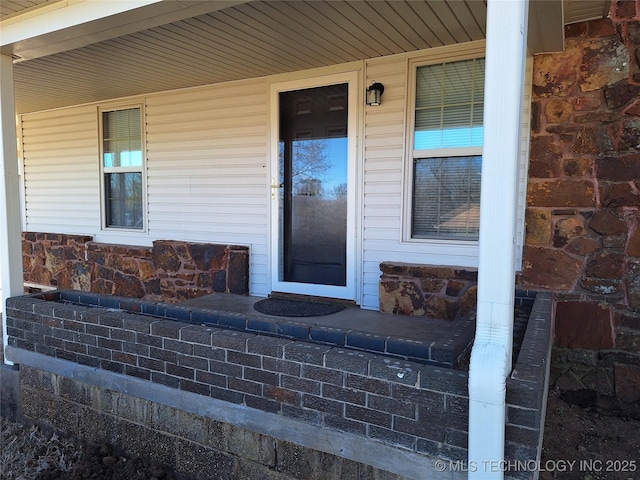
(583, 205)
(168, 271)
(192, 395)
(444, 293)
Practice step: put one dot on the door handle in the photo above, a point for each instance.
(274, 187)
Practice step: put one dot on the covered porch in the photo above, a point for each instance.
(84, 54)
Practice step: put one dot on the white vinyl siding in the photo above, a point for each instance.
(385, 209)
(207, 169)
(385, 164)
(206, 166)
(61, 171)
(207, 172)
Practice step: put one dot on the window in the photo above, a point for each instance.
(447, 150)
(122, 168)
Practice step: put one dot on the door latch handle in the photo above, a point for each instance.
(274, 187)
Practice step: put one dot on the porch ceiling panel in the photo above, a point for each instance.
(579, 11)
(244, 40)
(12, 7)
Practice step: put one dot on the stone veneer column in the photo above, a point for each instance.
(583, 205)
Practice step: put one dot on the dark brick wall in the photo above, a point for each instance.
(192, 444)
(343, 389)
(168, 271)
(409, 405)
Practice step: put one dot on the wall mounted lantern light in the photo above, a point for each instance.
(374, 93)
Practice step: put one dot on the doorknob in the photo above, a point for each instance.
(274, 187)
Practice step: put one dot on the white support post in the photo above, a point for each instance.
(10, 238)
(491, 353)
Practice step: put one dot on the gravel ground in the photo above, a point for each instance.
(29, 453)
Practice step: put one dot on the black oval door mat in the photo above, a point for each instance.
(282, 307)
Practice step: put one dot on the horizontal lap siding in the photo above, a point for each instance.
(207, 168)
(61, 176)
(207, 174)
(384, 173)
(206, 171)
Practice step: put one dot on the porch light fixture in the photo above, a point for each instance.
(374, 93)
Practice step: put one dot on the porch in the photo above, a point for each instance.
(436, 342)
(196, 377)
(201, 76)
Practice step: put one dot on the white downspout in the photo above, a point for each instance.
(10, 238)
(491, 353)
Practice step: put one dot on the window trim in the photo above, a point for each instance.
(411, 154)
(142, 169)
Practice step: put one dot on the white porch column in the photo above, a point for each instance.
(10, 239)
(491, 354)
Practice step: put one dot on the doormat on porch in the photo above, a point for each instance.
(282, 307)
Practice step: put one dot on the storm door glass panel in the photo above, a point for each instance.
(313, 185)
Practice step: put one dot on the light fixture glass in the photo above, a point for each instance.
(374, 93)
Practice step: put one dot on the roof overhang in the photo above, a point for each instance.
(61, 26)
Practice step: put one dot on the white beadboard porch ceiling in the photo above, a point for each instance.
(246, 40)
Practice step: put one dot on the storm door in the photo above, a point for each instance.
(312, 192)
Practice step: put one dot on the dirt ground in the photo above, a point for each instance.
(588, 444)
(579, 443)
(31, 453)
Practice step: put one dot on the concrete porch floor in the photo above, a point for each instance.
(428, 340)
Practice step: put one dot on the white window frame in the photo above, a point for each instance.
(142, 169)
(411, 154)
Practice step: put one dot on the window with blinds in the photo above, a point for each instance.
(446, 197)
(122, 168)
(447, 148)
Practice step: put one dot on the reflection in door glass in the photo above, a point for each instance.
(313, 185)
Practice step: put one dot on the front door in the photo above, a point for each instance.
(312, 184)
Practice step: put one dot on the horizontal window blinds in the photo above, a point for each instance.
(449, 105)
(446, 198)
(122, 138)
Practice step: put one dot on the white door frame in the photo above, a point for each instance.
(349, 291)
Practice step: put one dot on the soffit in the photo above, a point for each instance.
(248, 40)
(582, 10)
(13, 7)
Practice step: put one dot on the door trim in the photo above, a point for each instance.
(349, 291)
